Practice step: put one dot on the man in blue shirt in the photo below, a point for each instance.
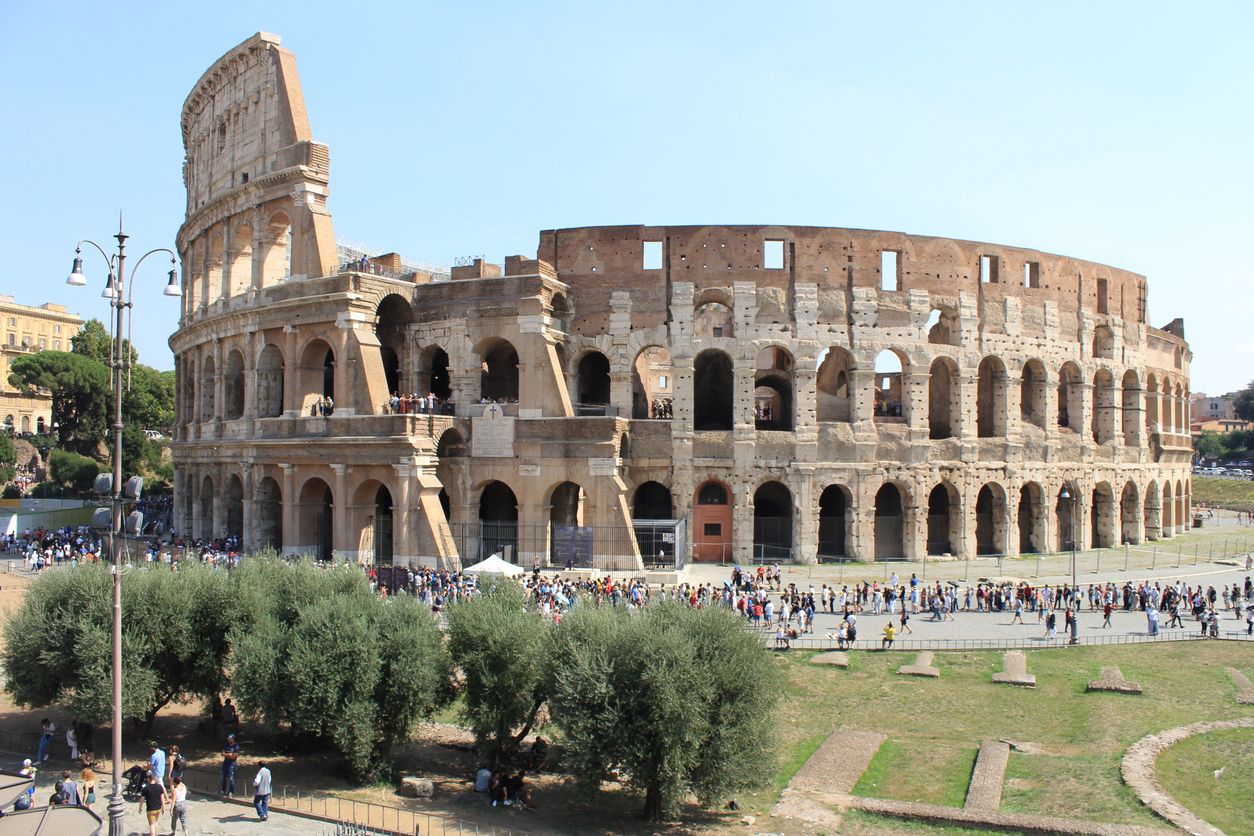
(156, 761)
(230, 754)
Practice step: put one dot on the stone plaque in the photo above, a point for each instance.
(492, 436)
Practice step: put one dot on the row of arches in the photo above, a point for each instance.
(230, 260)
(23, 424)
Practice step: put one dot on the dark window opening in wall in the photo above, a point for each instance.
(713, 530)
(652, 255)
(243, 178)
(718, 331)
(221, 137)
(1032, 274)
(988, 269)
(890, 277)
(1103, 296)
(773, 254)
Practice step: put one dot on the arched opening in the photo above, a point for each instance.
(943, 520)
(451, 467)
(560, 318)
(772, 523)
(990, 520)
(382, 534)
(1103, 343)
(1152, 511)
(187, 526)
(25, 423)
(942, 327)
(772, 389)
(712, 523)
(241, 259)
(1031, 519)
(1181, 422)
(1168, 409)
(571, 540)
(233, 386)
(1032, 394)
(1131, 408)
(276, 259)
(833, 386)
(268, 506)
(316, 376)
(40, 426)
(652, 384)
(1129, 515)
(1104, 407)
(991, 408)
(204, 528)
(392, 320)
(1180, 515)
(1065, 512)
(498, 376)
(498, 522)
(835, 519)
(943, 399)
(624, 447)
(1102, 517)
(1069, 397)
(433, 376)
(316, 520)
(233, 508)
(889, 524)
(213, 268)
(594, 382)
(712, 319)
(208, 373)
(270, 382)
(889, 381)
(652, 501)
(712, 391)
(1151, 406)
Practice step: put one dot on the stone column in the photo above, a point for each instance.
(339, 515)
(287, 511)
(292, 406)
(742, 524)
(620, 392)
(248, 537)
(402, 550)
(862, 399)
(806, 527)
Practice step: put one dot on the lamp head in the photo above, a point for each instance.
(172, 287)
(1065, 493)
(111, 289)
(77, 279)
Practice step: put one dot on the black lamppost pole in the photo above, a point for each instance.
(1074, 495)
(118, 361)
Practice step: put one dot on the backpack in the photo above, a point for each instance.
(180, 763)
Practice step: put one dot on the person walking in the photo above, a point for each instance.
(1018, 611)
(87, 785)
(152, 802)
(178, 812)
(156, 761)
(47, 729)
(69, 790)
(230, 754)
(1106, 611)
(261, 792)
(905, 622)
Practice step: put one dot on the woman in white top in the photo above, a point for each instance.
(178, 813)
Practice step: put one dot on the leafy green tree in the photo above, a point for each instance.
(11, 492)
(149, 402)
(318, 650)
(1209, 445)
(1244, 403)
(72, 471)
(501, 649)
(80, 394)
(671, 696)
(8, 457)
(93, 341)
(57, 644)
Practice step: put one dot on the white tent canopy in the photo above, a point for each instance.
(494, 565)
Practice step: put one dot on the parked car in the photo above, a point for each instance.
(153, 435)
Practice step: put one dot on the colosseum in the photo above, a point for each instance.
(643, 395)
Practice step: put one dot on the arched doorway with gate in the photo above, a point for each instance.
(712, 523)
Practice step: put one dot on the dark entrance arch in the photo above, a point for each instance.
(269, 504)
(317, 519)
(889, 524)
(594, 380)
(498, 522)
(772, 523)
(834, 519)
(942, 512)
(712, 391)
(383, 544)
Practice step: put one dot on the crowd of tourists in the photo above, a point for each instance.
(415, 404)
(41, 548)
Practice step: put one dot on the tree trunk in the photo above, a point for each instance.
(653, 803)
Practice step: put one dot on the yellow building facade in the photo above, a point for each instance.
(28, 329)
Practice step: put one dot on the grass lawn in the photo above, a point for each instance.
(1223, 491)
(935, 726)
(858, 823)
(1187, 771)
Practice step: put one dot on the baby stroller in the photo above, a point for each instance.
(135, 777)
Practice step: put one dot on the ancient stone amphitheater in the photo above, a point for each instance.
(639, 395)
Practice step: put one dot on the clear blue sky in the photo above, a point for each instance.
(1118, 132)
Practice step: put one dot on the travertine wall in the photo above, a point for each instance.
(979, 399)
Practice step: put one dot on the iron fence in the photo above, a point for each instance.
(548, 546)
(874, 643)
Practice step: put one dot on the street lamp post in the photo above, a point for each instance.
(120, 302)
(1074, 497)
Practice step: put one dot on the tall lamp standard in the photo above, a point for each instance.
(1074, 498)
(120, 301)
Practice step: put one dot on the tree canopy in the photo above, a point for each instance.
(1244, 403)
(93, 341)
(80, 394)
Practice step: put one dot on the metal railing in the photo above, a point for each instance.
(353, 816)
(1035, 642)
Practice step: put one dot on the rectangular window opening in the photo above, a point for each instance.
(988, 269)
(713, 530)
(773, 254)
(890, 277)
(1031, 274)
(662, 381)
(652, 255)
(1103, 296)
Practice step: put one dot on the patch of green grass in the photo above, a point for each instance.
(1223, 491)
(1069, 782)
(930, 772)
(1187, 771)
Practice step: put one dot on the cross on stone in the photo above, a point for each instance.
(1015, 670)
